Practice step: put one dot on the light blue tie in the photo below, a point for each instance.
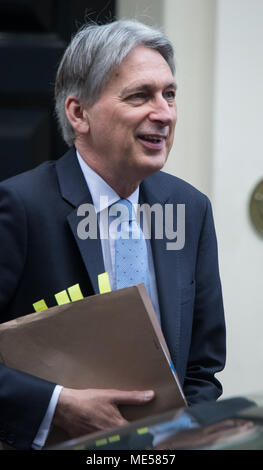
(131, 260)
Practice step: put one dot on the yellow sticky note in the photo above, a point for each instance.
(75, 293)
(101, 442)
(104, 283)
(62, 297)
(143, 431)
(114, 438)
(40, 305)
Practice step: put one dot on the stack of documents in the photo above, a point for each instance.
(110, 340)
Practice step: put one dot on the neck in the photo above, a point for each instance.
(117, 179)
(126, 190)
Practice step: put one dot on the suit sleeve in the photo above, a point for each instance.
(23, 398)
(13, 249)
(208, 344)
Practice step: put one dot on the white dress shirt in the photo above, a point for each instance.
(101, 192)
(103, 196)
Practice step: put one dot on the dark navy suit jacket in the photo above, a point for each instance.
(41, 254)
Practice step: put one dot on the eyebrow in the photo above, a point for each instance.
(145, 86)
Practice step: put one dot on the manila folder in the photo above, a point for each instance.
(110, 340)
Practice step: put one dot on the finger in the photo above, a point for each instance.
(122, 397)
(119, 420)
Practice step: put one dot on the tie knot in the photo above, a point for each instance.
(125, 210)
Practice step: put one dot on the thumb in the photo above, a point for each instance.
(133, 397)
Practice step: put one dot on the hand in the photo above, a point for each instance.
(80, 412)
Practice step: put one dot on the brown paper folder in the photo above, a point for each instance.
(111, 340)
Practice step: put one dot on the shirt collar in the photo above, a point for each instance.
(102, 194)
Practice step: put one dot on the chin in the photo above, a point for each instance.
(156, 162)
(149, 168)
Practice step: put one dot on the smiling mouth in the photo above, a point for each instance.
(152, 142)
(152, 138)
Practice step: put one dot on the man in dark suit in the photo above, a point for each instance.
(115, 101)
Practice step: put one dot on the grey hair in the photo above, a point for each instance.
(90, 58)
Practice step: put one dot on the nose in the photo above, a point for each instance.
(162, 111)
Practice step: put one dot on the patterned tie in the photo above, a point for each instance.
(131, 261)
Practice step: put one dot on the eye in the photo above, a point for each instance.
(169, 95)
(137, 96)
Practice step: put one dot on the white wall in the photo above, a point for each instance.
(147, 11)
(189, 24)
(218, 148)
(237, 167)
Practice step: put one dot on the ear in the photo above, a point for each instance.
(77, 115)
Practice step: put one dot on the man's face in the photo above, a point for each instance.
(131, 125)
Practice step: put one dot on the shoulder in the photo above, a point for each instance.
(29, 181)
(40, 183)
(30, 193)
(171, 188)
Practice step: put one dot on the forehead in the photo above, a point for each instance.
(141, 66)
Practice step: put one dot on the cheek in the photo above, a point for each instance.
(174, 121)
(121, 133)
(175, 115)
(114, 139)
(116, 129)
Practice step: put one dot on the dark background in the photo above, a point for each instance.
(33, 36)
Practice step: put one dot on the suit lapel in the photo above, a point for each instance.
(75, 191)
(167, 270)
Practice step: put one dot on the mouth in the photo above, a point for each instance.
(152, 141)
